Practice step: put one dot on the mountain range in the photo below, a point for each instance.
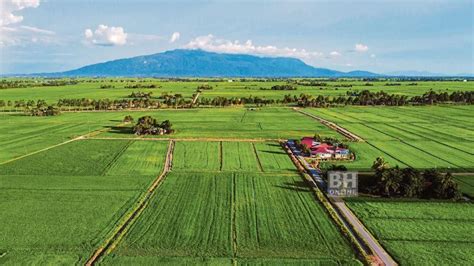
(199, 63)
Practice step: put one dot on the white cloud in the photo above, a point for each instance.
(37, 30)
(361, 48)
(335, 53)
(210, 43)
(7, 8)
(23, 35)
(174, 37)
(106, 36)
(373, 56)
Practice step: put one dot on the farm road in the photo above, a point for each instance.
(346, 133)
(111, 242)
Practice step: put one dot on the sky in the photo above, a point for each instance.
(382, 36)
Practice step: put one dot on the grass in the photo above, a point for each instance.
(204, 215)
(239, 156)
(83, 157)
(87, 88)
(420, 232)
(58, 206)
(466, 185)
(420, 137)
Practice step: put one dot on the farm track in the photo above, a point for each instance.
(346, 133)
(128, 219)
(258, 158)
(190, 139)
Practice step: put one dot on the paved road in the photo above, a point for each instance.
(363, 232)
(345, 213)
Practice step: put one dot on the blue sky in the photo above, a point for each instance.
(379, 36)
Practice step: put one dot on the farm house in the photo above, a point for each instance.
(325, 151)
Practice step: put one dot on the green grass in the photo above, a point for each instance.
(421, 137)
(140, 158)
(59, 207)
(202, 215)
(273, 158)
(83, 157)
(194, 156)
(91, 89)
(466, 185)
(420, 232)
(239, 156)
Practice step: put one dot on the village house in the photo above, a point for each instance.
(324, 151)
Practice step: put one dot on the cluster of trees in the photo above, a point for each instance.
(204, 87)
(128, 119)
(393, 84)
(367, 97)
(140, 94)
(411, 183)
(44, 111)
(286, 87)
(27, 83)
(223, 101)
(147, 125)
(107, 86)
(140, 86)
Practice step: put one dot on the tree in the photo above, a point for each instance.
(128, 119)
(379, 166)
(148, 125)
(390, 182)
(413, 183)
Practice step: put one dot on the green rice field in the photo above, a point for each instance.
(420, 232)
(421, 137)
(209, 214)
(60, 204)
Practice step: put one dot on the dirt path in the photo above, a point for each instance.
(346, 133)
(111, 242)
(189, 139)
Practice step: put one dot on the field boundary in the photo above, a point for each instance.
(188, 139)
(127, 220)
(346, 133)
(85, 136)
(258, 158)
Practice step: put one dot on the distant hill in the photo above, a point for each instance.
(199, 63)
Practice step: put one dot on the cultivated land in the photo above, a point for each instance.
(223, 207)
(420, 232)
(90, 88)
(232, 195)
(59, 205)
(420, 137)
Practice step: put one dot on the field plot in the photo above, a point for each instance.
(273, 158)
(420, 137)
(208, 216)
(232, 123)
(59, 206)
(20, 135)
(189, 215)
(195, 156)
(87, 157)
(239, 156)
(421, 232)
(278, 216)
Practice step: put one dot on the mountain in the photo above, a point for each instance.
(199, 63)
